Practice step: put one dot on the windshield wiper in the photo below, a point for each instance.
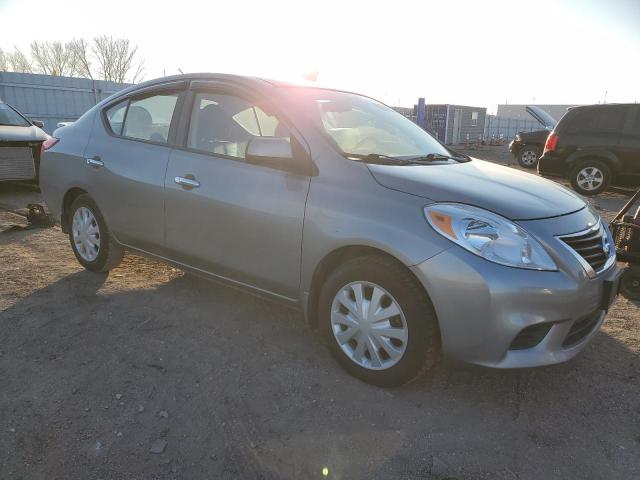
(378, 158)
(436, 157)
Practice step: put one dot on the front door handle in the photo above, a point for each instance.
(186, 182)
(94, 162)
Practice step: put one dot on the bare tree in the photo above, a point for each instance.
(4, 61)
(108, 58)
(117, 59)
(138, 74)
(53, 58)
(81, 57)
(19, 62)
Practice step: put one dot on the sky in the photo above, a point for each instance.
(469, 52)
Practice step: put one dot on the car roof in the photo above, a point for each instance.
(242, 79)
(605, 105)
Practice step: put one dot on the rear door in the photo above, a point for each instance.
(592, 129)
(238, 220)
(126, 160)
(629, 148)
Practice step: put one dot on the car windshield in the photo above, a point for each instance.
(361, 126)
(8, 116)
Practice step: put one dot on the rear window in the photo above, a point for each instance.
(8, 116)
(596, 120)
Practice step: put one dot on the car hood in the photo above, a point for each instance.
(509, 192)
(536, 135)
(21, 134)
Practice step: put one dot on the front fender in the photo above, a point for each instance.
(370, 215)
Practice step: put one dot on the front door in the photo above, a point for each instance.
(224, 216)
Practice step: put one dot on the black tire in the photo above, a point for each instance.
(525, 156)
(423, 344)
(604, 170)
(630, 283)
(110, 253)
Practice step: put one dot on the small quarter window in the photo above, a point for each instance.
(115, 116)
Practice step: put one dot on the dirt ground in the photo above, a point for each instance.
(96, 371)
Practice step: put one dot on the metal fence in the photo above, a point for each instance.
(53, 99)
(495, 126)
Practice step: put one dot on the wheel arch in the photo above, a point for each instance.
(329, 263)
(67, 200)
(608, 158)
(537, 145)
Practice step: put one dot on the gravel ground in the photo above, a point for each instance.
(98, 372)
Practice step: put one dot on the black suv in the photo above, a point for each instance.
(594, 146)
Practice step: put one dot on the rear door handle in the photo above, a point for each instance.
(94, 162)
(188, 183)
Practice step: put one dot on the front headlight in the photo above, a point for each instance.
(488, 235)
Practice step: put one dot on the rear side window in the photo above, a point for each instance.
(8, 116)
(596, 120)
(150, 118)
(225, 124)
(147, 118)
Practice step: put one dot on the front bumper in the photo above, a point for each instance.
(483, 308)
(515, 146)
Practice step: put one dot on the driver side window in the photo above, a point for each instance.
(225, 124)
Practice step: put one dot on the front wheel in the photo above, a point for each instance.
(91, 241)
(590, 178)
(528, 156)
(378, 321)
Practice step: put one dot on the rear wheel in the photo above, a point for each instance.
(378, 321)
(630, 286)
(92, 244)
(590, 177)
(528, 156)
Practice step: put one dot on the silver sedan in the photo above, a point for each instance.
(395, 247)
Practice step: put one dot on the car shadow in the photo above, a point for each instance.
(250, 392)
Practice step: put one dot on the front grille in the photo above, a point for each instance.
(530, 336)
(581, 328)
(591, 245)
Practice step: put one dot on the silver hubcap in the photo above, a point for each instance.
(369, 325)
(590, 178)
(86, 234)
(529, 157)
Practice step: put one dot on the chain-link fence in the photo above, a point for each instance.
(495, 126)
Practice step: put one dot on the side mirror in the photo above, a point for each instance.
(38, 123)
(275, 153)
